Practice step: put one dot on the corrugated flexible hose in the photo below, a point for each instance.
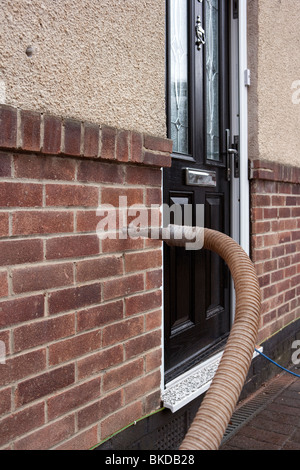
(214, 414)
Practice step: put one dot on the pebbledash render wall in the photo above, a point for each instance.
(80, 317)
(274, 142)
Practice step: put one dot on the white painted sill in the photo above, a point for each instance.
(190, 385)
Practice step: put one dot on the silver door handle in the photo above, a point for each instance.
(232, 151)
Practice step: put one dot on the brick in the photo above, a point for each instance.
(110, 245)
(87, 221)
(122, 330)
(121, 418)
(157, 159)
(295, 212)
(158, 143)
(99, 172)
(122, 150)
(257, 241)
(290, 224)
(36, 278)
(91, 140)
(71, 195)
(123, 374)
(4, 224)
(153, 243)
(72, 246)
(278, 200)
(108, 136)
(257, 213)
(112, 196)
(20, 251)
(277, 251)
(44, 384)
(260, 255)
(289, 296)
(270, 213)
(48, 436)
(143, 260)
(21, 422)
(263, 435)
(290, 271)
(143, 176)
(264, 280)
(5, 165)
(143, 302)
(42, 222)
(22, 366)
(96, 411)
(82, 441)
(52, 135)
(100, 361)
(284, 212)
(19, 310)
(74, 298)
(30, 130)
(153, 196)
(153, 320)
(8, 126)
(123, 286)
(153, 359)
(41, 168)
(284, 261)
(284, 237)
(21, 195)
(269, 291)
(296, 235)
(69, 400)
(141, 387)
(136, 147)
(99, 268)
(3, 284)
(43, 332)
(277, 276)
(153, 279)
(271, 239)
(5, 336)
(142, 344)
(74, 347)
(72, 137)
(5, 401)
(103, 314)
(259, 200)
(152, 402)
(291, 201)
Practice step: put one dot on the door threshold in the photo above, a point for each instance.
(193, 383)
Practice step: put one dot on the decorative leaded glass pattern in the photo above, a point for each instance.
(179, 76)
(212, 79)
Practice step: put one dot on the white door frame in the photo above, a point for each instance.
(243, 105)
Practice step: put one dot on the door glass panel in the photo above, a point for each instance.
(212, 79)
(179, 76)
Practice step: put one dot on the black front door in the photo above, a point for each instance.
(196, 282)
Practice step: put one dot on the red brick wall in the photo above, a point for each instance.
(275, 222)
(80, 317)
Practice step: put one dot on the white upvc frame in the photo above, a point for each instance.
(243, 105)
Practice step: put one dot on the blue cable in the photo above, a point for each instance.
(289, 371)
